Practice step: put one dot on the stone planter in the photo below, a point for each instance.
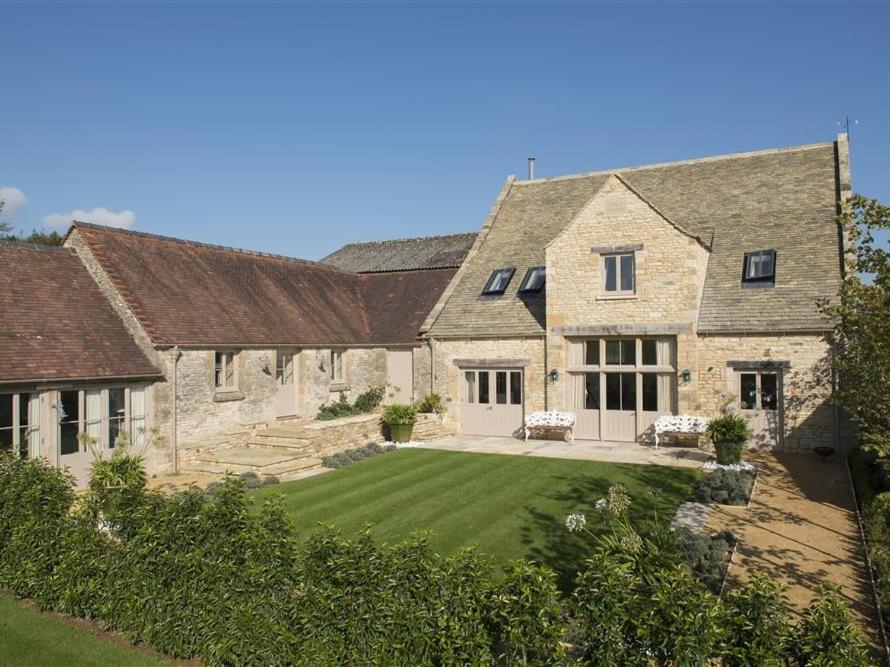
(400, 432)
(728, 452)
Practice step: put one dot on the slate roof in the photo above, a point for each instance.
(188, 293)
(55, 323)
(426, 252)
(785, 199)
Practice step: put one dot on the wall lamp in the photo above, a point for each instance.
(686, 375)
(553, 375)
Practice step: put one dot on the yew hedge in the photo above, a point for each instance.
(208, 575)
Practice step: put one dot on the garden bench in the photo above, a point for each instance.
(680, 426)
(551, 420)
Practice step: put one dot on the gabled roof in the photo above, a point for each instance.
(55, 323)
(783, 199)
(188, 293)
(426, 252)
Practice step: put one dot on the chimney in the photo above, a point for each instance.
(531, 169)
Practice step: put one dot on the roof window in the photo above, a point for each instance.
(497, 283)
(759, 268)
(533, 280)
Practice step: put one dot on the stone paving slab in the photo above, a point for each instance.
(800, 528)
(693, 516)
(589, 450)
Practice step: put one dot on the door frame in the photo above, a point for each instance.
(759, 368)
(295, 381)
(492, 370)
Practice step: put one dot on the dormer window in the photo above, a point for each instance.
(497, 283)
(759, 268)
(534, 279)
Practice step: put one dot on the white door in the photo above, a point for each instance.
(492, 402)
(585, 403)
(760, 401)
(400, 375)
(75, 408)
(285, 378)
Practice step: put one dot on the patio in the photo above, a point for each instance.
(587, 450)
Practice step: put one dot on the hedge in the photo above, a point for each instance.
(210, 576)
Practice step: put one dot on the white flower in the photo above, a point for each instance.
(744, 466)
(602, 505)
(575, 522)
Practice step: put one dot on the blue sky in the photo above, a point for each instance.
(295, 128)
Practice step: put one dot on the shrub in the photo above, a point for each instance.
(431, 404)
(364, 403)
(729, 428)
(725, 487)
(826, 635)
(251, 479)
(369, 400)
(270, 480)
(348, 456)
(398, 414)
(756, 625)
(706, 555)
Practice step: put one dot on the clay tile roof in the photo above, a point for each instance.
(190, 293)
(426, 252)
(55, 323)
(781, 199)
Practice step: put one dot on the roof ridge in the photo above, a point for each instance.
(212, 246)
(409, 238)
(16, 243)
(658, 165)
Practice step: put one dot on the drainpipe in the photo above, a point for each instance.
(432, 365)
(176, 355)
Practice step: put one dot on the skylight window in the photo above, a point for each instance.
(497, 283)
(759, 267)
(534, 279)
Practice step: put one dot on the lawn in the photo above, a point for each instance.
(511, 506)
(28, 637)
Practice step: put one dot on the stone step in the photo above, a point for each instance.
(280, 443)
(262, 461)
(290, 433)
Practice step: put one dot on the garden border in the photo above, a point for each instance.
(882, 628)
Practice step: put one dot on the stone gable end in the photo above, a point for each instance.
(670, 264)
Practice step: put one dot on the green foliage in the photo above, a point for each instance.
(860, 320)
(756, 624)
(431, 404)
(729, 428)
(348, 456)
(364, 403)
(707, 556)
(251, 480)
(270, 480)
(213, 577)
(825, 634)
(726, 487)
(869, 478)
(400, 414)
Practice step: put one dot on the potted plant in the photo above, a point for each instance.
(729, 433)
(400, 418)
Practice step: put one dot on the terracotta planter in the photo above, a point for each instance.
(400, 432)
(728, 452)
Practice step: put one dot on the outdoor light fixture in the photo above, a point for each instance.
(686, 375)
(553, 375)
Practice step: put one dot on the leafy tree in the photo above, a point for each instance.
(860, 320)
(5, 228)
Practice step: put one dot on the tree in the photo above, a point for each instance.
(5, 228)
(860, 320)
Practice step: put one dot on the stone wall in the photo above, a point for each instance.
(809, 415)
(447, 376)
(207, 419)
(670, 270)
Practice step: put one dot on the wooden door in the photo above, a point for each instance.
(400, 375)
(760, 395)
(493, 402)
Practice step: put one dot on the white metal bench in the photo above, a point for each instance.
(551, 420)
(680, 425)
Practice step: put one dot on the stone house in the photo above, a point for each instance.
(619, 295)
(632, 293)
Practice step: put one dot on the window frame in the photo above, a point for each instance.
(616, 256)
(22, 434)
(489, 290)
(337, 363)
(128, 421)
(232, 356)
(763, 280)
(525, 286)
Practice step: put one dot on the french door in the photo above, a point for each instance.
(492, 401)
(760, 395)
